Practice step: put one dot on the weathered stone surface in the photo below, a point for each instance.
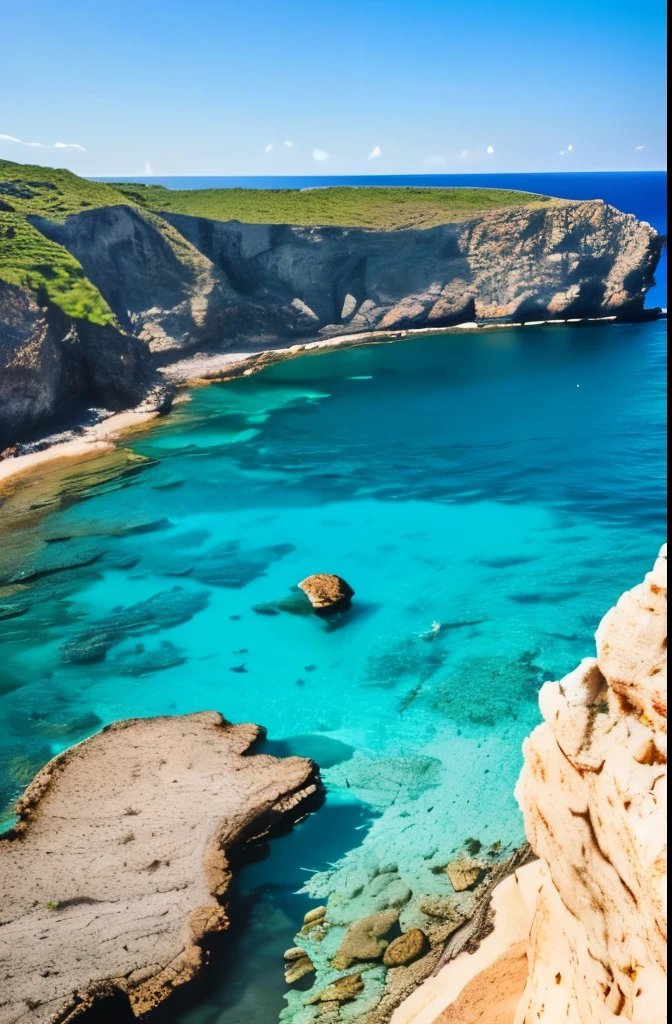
(365, 939)
(441, 907)
(327, 593)
(464, 873)
(340, 991)
(111, 881)
(593, 793)
(405, 949)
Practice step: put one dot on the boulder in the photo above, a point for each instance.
(464, 873)
(298, 969)
(365, 939)
(327, 594)
(340, 991)
(407, 948)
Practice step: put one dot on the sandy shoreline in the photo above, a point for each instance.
(201, 369)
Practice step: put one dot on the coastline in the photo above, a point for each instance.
(201, 369)
(513, 903)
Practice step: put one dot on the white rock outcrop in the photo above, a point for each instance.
(593, 793)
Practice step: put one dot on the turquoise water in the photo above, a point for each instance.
(487, 495)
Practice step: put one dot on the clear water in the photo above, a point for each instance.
(643, 193)
(507, 485)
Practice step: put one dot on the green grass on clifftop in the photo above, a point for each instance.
(386, 209)
(50, 192)
(31, 261)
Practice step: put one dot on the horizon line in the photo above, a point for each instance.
(404, 174)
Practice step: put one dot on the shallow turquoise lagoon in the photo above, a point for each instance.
(487, 495)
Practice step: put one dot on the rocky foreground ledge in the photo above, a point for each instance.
(111, 883)
(594, 796)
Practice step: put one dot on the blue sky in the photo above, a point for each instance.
(333, 86)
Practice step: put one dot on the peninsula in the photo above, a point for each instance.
(102, 285)
(120, 862)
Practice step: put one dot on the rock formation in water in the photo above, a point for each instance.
(176, 284)
(593, 793)
(112, 882)
(327, 594)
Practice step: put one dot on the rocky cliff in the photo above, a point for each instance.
(48, 360)
(593, 793)
(177, 284)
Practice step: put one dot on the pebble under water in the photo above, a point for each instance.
(488, 495)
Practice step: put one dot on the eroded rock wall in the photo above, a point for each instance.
(48, 360)
(593, 794)
(570, 259)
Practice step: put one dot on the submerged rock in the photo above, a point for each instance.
(314, 924)
(407, 948)
(365, 939)
(442, 909)
(298, 968)
(327, 593)
(464, 873)
(131, 901)
(162, 611)
(340, 991)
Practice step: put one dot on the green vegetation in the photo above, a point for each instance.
(30, 260)
(386, 209)
(49, 192)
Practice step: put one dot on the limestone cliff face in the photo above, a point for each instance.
(179, 282)
(571, 259)
(593, 793)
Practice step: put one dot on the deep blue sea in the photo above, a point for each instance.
(488, 495)
(643, 193)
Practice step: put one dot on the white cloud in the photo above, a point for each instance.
(570, 148)
(148, 169)
(375, 153)
(637, 148)
(434, 160)
(40, 145)
(11, 138)
(320, 155)
(288, 143)
(562, 152)
(268, 148)
(491, 150)
(464, 154)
